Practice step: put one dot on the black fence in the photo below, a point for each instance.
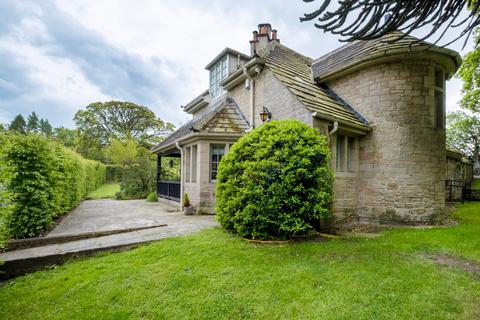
(456, 190)
(459, 191)
(169, 190)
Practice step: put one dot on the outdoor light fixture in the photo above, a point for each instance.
(265, 115)
(170, 163)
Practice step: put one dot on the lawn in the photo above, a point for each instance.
(105, 191)
(213, 275)
(476, 184)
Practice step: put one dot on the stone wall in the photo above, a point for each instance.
(402, 160)
(270, 93)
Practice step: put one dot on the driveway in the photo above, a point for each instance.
(107, 215)
(141, 222)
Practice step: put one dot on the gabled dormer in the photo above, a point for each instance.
(224, 64)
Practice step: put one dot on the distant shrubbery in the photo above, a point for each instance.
(41, 179)
(275, 182)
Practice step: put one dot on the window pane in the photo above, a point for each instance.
(187, 164)
(216, 153)
(194, 164)
(340, 152)
(351, 154)
(439, 109)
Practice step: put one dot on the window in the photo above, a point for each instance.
(350, 154)
(216, 153)
(193, 170)
(340, 152)
(439, 112)
(345, 157)
(218, 72)
(187, 164)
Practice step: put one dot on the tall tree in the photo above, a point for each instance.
(469, 72)
(122, 153)
(18, 125)
(463, 133)
(45, 127)
(122, 121)
(33, 123)
(371, 19)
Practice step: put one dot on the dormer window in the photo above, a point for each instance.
(218, 72)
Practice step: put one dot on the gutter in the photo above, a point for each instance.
(361, 128)
(238, 75)
(335, 128)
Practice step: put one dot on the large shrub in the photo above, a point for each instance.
(139, 178)
(275, 182)
(42, 180)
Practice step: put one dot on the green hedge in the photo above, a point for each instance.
(275, 182)
(42, 180)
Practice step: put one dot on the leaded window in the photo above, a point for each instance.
(216, 153)
(218, 72)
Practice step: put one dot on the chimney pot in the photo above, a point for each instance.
(274, 34)
(265, 28)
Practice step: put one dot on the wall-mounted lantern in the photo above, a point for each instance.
(265, 115)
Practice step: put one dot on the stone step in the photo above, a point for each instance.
(56, 239)
(19, 262)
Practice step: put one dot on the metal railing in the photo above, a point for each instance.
(169, 190)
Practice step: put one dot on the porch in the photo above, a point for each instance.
(169, 176)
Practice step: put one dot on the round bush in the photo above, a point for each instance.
(275, 182)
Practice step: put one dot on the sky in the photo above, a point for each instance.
(56, 57)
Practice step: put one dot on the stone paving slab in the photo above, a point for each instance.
(105, 215)
(108, 214)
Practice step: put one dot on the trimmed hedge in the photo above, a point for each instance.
(275, 182)
(43, 180)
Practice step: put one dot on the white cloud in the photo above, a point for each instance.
(151, 52)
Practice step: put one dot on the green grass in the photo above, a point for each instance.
(105, 191)
(476, 184)
(213, 275)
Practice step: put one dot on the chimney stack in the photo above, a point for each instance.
(262, 37)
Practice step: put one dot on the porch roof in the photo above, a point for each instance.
(207, 123)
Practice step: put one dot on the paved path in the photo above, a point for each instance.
(106, 215)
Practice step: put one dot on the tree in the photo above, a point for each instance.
(469, 72)
(122, 153)
(66, 136)
(33, 123)
(18, 125)
(122, 121)
(45, 127)
(372, 19)
(463, 133)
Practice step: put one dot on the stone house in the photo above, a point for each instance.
(381, 105)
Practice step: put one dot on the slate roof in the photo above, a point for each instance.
(293, 70)
(357, 52)
(199, 123)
